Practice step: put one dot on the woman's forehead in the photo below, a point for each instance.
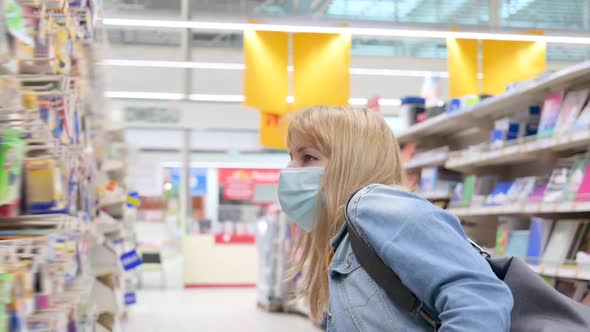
(299, 141)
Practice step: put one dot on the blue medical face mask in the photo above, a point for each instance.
(298, 192)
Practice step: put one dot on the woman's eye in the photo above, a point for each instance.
(308, 158)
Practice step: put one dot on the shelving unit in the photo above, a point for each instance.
(53, 103)
(466, 133)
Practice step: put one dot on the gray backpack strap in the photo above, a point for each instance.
(385, 277)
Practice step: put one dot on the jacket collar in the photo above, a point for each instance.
(337, 239)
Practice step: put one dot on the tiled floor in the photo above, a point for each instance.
(224, 310)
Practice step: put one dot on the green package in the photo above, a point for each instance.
(468, 190)
(12, 154)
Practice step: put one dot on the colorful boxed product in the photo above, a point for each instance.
(12, 150)
(44, 184)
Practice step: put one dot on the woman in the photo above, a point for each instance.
(347, 161)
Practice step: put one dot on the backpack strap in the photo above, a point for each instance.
(384, 276)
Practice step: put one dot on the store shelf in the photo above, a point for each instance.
(517, 153)
(100, 328)
(497, 106)
(106, 228)
(526, 208)
(111, 202)
(104, 261)
(435, 195)
(105, 298)
(563, 271)
(45, 221)
(114, 166)
(433, 159)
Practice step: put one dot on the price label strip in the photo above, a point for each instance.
(130, 298)
(130, 260)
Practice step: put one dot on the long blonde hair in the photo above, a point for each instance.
(361, 150)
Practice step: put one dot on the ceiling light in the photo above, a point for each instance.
(217, 98)
(221, 98)
(397, 72)
(173, 64)
(239, 66)
(357, 31)
(357, 101)
(389, 102)
(143, 95)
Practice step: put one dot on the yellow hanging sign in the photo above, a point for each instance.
(506, 62)
(321, 73)
(266, 55)
(462, 67)
(273, 131)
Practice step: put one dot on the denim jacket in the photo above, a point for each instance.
(427, 248)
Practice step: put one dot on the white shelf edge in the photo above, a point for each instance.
(562, 271)
(435, 195)
(524, 208)
(526, 149)
(438, 159)
(112, 202)
(113, 165)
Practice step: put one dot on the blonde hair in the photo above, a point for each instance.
(361, 150)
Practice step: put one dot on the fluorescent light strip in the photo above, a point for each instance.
(217, 98)
(389, 102)
(143, 95)
(221, 98)
(397, 72)
(173, 64)
(239, 66)
(380, 32)
(357, 101)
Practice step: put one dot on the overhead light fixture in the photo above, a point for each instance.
(240, 66)
(357, 31)
(221, 98)
(173, 64)
(357, 101)
(382, 101)
(389, 102)
(217, 98)
(143, 95)
(397, 72)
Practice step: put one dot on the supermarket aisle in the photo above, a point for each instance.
(225, 310)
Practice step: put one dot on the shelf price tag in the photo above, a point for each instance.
(133, 200)
(130, 260)
(130, 298)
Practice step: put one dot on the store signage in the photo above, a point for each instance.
(130, 298)
(198, 180)
(151, 114)
(130, 260)
(238, 184)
